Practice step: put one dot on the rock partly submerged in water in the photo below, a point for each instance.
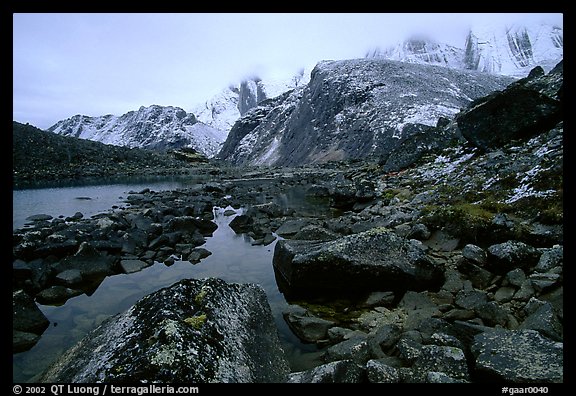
(198, 331)
(376, 259)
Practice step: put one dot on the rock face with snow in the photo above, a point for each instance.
(352, 109)
(153, 127)
(498, 49)
(224, 109)
(423, 51)
(514, 50)
(193, 331)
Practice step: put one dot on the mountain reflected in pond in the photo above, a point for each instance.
(234, 258)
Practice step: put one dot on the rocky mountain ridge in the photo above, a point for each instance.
(40, 157)
(352, 109)
(153, 127)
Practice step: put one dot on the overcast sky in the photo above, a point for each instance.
(96, 64)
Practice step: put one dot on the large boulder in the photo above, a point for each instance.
(519, 356)
(89, 261)
(376, 259)
(197, 330)
(521, 111)
(28, 322)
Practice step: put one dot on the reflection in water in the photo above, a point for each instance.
(57, 201)
(233, 259)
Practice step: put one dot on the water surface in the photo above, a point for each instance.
(233, 259)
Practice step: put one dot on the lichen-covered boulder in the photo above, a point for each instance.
(518, 356)
(197, 330)
(376, 259)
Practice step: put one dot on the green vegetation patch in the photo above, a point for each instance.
(196, 321)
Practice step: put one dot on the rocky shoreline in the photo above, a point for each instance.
(509, 285)
(454, 263)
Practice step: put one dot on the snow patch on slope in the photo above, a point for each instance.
(153, 127)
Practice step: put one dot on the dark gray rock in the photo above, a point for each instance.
(56, 295)
(470, 299)
(378, 371)
(198, 254)
(442, 339)
(492, 314)
(545, 321)
(306, 326)
(444, 242)
(26, 316)
(518, 112)
(58, 249)
(140, 222)
(344, 371)
(437, 377)
(458, 314)
(318, 191)
(315, 233)
(337, 334)
(479, 277)
(292, 227)
(39, 217)
(526, 291)
(475, 254)
(21, 270)
(384, 338)
(544, 281)
(430, 326)
(355, 349)
(189, 224)
(446, 359)
(518, 356)
(379, 298)
(408, 350)
(130, 266)
(241, 224)
(42, 273)
(193, 331)
(419, 231)
(516, 277)
(373, 260)
(453, 281)
(553, 257)
(504, 294)
(420, 140)
(365, 190)
(23, 341)
(556, 298)
(89, 261)
(504, 257)
(418, 307)
(466, 330)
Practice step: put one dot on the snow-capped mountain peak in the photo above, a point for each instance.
(224, 109)
(154, 127)
(511, 50)
(421, 50)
